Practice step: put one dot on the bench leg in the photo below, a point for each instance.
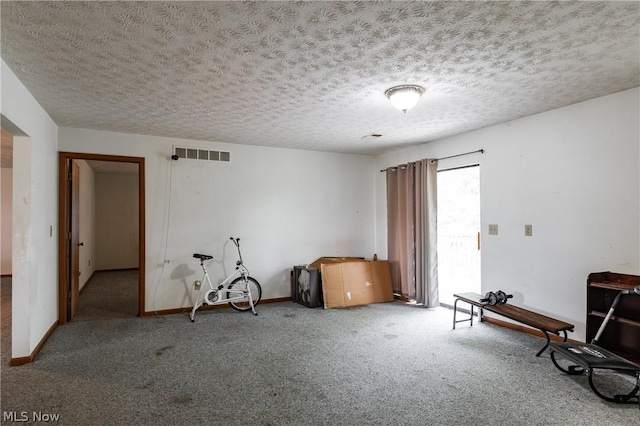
(455, 311)
(629, 398)
(546, 345)
(546, 334)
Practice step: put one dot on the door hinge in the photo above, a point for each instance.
(69, 235)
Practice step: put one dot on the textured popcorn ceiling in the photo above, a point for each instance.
(312, 75)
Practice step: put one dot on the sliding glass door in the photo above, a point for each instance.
(458, 232)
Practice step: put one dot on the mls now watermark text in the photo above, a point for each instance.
(26, 416)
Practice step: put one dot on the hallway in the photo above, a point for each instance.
(109, 294)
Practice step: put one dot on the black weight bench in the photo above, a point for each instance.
(588, 359)
(533, 319)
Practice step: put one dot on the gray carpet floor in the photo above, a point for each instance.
(382, 364)
(109, 294)
(5, 317)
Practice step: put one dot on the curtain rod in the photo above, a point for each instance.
(481, 151)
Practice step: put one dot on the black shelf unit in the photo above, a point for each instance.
(622, 334)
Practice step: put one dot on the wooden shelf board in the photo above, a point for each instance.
(616, 319)
(610, 285)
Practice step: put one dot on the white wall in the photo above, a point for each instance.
(117, 220)
(288, 207)
(573, 174)
(6, 180)
(87, 226)
(35, 215)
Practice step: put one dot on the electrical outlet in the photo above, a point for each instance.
(197, 284)
(528, 230)
(493, 229)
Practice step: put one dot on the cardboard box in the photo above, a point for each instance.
(351, 283)
(382, 285)
(325, 260)
(347, 284)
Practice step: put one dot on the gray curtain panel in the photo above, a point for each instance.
(412, 230)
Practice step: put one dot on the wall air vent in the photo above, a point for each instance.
(202, 154)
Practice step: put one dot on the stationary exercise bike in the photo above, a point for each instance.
(242, 294)
(589, 357)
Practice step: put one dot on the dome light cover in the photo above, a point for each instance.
(404, 97)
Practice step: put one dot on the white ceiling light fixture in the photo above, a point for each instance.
(404, 97)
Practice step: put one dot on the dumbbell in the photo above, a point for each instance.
(490, 298)
(502, 297)
(497, 298)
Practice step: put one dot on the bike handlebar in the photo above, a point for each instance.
(236, 241)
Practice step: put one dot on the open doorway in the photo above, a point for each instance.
(103, 246)
(458, 232)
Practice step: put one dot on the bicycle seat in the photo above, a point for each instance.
(202, 256)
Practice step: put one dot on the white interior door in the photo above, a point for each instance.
(458, 232)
